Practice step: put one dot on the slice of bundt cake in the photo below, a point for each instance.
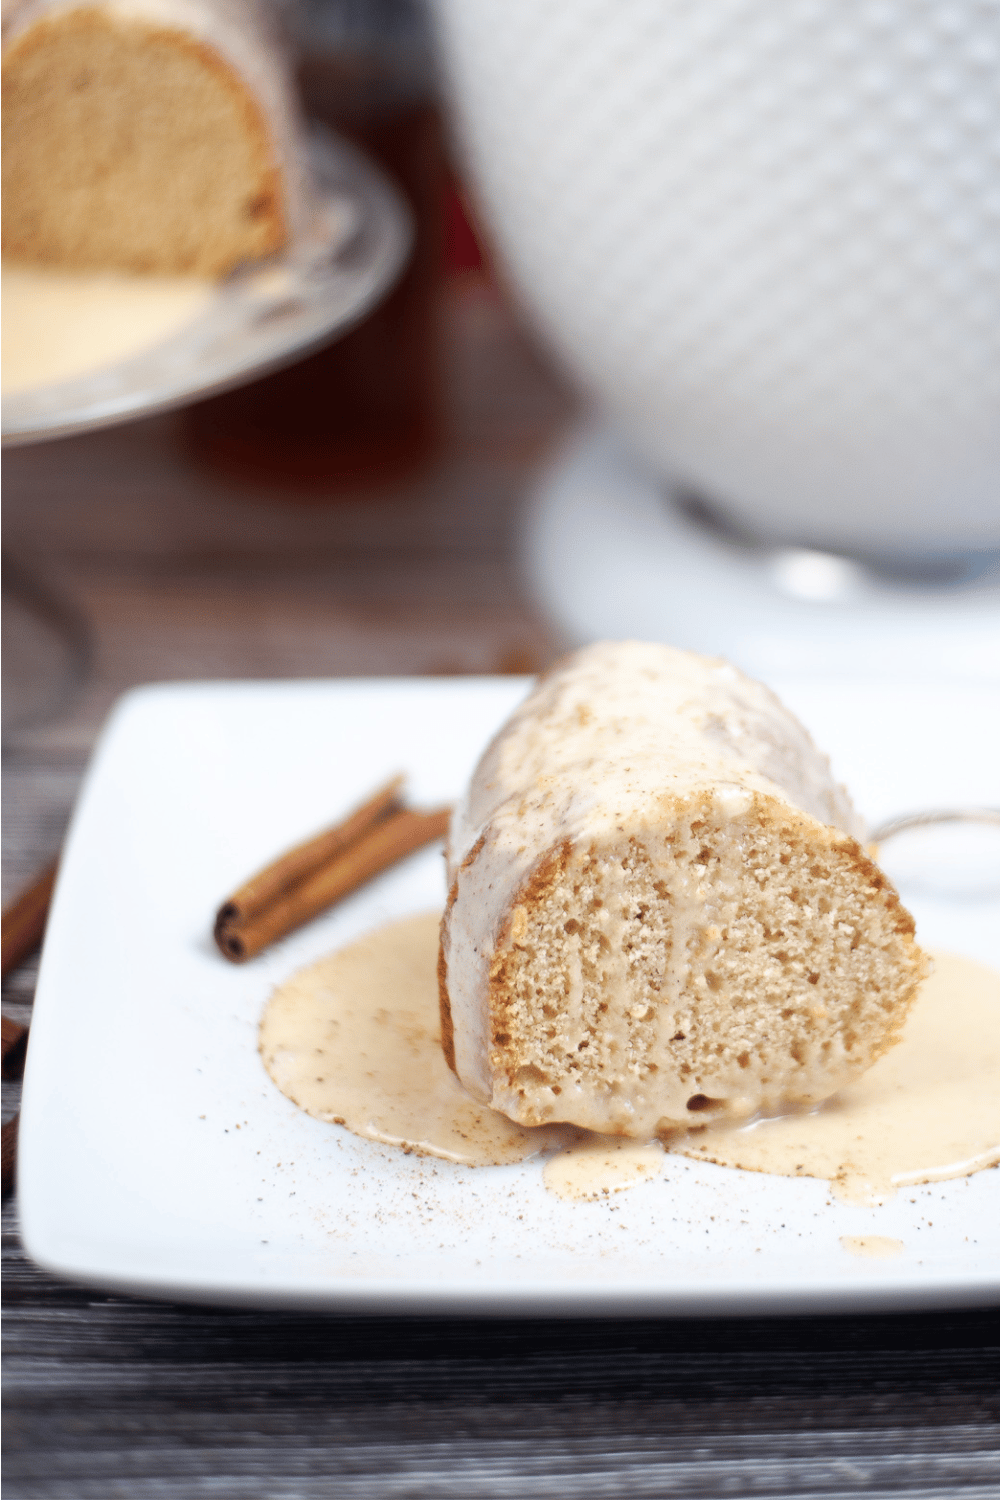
(145, 136)
(659, 910)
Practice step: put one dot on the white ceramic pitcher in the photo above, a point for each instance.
(765, 234)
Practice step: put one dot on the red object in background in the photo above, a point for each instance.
(364, 411)
(462, 250)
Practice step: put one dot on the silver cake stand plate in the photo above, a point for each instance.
(262, 316)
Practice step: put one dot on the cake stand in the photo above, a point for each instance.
(611, 550)
(261, 317)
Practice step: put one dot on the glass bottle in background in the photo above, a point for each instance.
(364, 410)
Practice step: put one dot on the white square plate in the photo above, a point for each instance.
(156, 1156)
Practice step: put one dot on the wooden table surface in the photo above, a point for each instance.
(153, 569)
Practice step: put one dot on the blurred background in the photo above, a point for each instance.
(354, 513)
(697, 338)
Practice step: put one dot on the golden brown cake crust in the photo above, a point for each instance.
(531, 894)
(447, 1025)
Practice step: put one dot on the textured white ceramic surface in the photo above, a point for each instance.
(766, 235)
(157, 1157)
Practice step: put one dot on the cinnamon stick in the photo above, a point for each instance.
(8, 1155)
(23, 925)
(15, 1044)
(290, 869)
(241, 933)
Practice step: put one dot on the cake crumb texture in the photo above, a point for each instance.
(134, 146)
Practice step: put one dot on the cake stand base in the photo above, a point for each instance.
(610, 552)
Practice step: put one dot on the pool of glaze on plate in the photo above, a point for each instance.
(355, 1040)
(61, 325)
